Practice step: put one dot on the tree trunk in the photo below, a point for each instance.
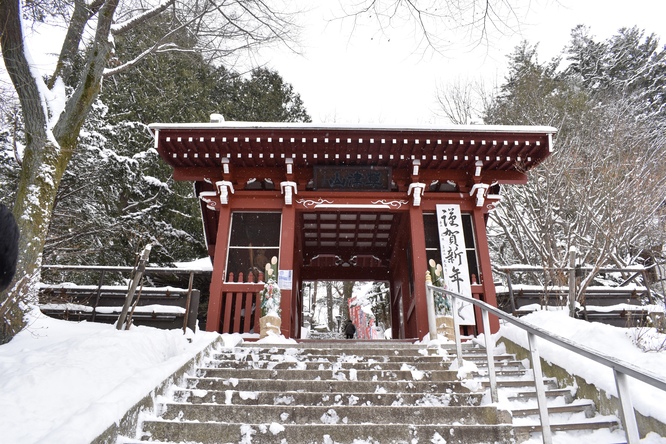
(329, 305)
(347, 291)
(313, 302)
(30, 215)
(46, 153)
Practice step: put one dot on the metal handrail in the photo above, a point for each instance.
(620, 368)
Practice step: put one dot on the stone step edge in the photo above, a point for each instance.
(414, 368)
(570, 426)
(346, 414)
(127, 425)
(566, 392)
(470, 354)
(354, 344)
(574, 407)
(301, 392)
(375, 433)
(233, 384)
(331, 399)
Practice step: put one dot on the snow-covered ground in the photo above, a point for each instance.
(67, 382)
(608, 340)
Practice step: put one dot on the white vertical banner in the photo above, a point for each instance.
(454, 259)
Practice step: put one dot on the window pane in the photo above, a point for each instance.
(431, 231)
(256, 229)
(468, 231)
(472, 266)
(254, 240)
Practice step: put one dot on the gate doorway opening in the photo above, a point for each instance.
(329, 305)
(351, 262)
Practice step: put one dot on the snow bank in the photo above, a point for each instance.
(64, 381)
(606, 339)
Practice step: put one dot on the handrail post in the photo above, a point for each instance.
(432, 323)
(540, 389)
(141, 267)
(490, 346)
(456, 330)
(626, 408)
(97, 295)
(188, 300)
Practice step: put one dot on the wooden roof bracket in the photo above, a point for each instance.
(223, 188)
(210, 198)
(480, 189)
(417, 189)
(288, 188)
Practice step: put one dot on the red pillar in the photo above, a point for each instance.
(485, 271)
(419, 265)
(287, 264)
(219, 266)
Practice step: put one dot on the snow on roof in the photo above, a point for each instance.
(203, 264)
(360, 126)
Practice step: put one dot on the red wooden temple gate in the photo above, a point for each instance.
(339, 202)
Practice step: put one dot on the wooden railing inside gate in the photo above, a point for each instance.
(241, 304)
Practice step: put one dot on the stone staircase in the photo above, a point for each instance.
(353, 392)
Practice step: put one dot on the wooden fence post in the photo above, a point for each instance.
(572, 282)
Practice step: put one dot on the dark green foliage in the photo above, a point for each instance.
(265, 98)
(117, 194)
(116, 197)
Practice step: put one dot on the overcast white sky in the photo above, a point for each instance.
(370, 77)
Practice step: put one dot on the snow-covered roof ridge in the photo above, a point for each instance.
(361, 126)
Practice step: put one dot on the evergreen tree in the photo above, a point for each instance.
(117, 195)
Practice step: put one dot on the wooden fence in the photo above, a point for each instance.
(241, 303)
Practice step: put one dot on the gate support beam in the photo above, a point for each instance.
(286, 263)
(217, 278)
(419, 266)
(485, 269)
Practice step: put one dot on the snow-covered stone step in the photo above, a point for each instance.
(586, 407)
(383, 351)
(230, 360)
(355, 414)
(327, 365)
(568, 394)
(302, 370)
(346, 392)
(409, 373)
(498, 363)
(550, 383)
(323, 399)
(479, 356)
(341, 357)
(361, 344)
(502, 373)
(523, 430)
(180, 432)
(323, 386)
